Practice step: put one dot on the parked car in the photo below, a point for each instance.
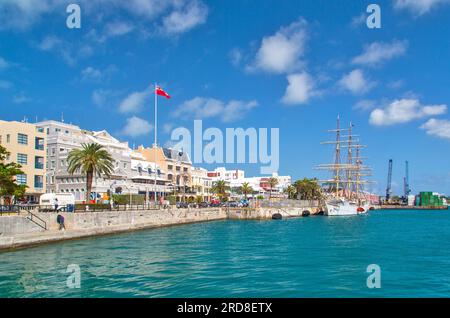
(182, 205)
(203, 205)
(232, 204)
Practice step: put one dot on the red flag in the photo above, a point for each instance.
(161, 92)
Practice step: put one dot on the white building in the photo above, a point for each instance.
(226, 175)
(201, 183)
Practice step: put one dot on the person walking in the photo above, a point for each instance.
(60, 221)
(56, 204)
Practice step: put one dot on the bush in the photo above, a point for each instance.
(172, 199)
(125, 198)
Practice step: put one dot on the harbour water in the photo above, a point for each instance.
(304, 257)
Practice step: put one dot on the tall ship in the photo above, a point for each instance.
(344, 191)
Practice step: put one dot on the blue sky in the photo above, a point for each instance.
(294, 65)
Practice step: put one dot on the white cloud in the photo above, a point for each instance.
(173, 16)
(202, 107)
(93, 74)
(100, 96)
(365, 104)
(282, 52)
(438, 128)
(358, 20)
(355, 82)
(135, 101)
(115, 29)
(418, 7)
(379, 52)
(21, 98)
(185, 18)
(300, 89)
(136, 126)
(62, 48)
(235, 56)
(403, 111)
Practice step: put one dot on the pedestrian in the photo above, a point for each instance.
(56, 204)
(60, 221)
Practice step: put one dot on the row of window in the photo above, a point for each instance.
(178, 168)
(22, 159)
(38, 180)
(22, 139)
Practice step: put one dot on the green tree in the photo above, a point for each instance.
(92, 160)
(272, 184)
(308, 189)
(8, 172)
(291, 191)
(246, 189)
(220, 188)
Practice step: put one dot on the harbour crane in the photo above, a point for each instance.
(389, 181)
(406, 187)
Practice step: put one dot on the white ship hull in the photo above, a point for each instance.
(345, 208)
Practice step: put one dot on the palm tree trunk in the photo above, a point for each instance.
(89, 178)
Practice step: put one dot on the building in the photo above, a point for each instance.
(61, 138)
(177, 167)
(201, 183)
(226, 175)
(143, 178)
(26, 144)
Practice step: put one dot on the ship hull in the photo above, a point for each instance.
(345, 208)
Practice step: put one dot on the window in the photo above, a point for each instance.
(22, 139)
(39, 143)
(39, 162)
(21, 179)
(170, 167)
(8, 138)
(39, 182)
(22, 159)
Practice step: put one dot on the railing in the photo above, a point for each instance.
(37, 220)
(9, 209)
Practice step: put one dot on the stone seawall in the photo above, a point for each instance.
(266, 213)
(22, 232)
(18, 231)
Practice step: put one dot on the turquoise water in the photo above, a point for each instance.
(304, 257)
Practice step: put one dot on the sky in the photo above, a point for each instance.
(294, 65)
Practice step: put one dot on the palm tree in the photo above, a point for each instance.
(308, 189)
(291, 191)
(246, 189)
(220, 188)
(272, 184)
(92, 160)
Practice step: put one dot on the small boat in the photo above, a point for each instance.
(277, 216)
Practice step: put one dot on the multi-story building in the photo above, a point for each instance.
(61, 139)
(226, 175)
(143, 178)
(201, 183)
(177, 167)
(26, 144)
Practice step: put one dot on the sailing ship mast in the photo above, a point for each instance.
(347, 177)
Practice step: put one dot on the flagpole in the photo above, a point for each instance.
(156, 137)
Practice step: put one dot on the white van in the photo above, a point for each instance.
(47, 201)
